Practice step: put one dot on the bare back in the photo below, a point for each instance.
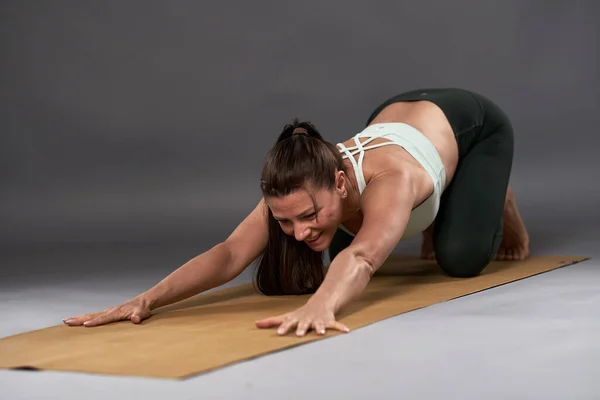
(431, 121)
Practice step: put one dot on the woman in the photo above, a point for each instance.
(432, 161)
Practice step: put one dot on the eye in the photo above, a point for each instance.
(311, 216)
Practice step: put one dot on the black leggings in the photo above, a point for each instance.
(468, 228)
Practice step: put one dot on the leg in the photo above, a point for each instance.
(515, 239)
(468, 229)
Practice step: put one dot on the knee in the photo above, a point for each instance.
(462, 259)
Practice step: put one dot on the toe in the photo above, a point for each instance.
(500, 255)
(522, 254)
(516, 254)
(510, 255)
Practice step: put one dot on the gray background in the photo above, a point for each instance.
(132, 137)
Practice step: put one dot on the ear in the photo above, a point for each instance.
(340, 182)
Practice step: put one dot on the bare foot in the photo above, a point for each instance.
(427, 252)
(515, 239)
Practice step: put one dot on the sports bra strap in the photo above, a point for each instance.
(360, 148)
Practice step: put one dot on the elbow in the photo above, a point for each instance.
(364, 257)
(354, 264)
(366, 264)
(227, 261)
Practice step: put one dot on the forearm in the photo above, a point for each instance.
(347, 277)
(205, 271)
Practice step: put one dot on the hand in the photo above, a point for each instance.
(310, 316)
(135, 310)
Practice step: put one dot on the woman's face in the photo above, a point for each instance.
(314, 223)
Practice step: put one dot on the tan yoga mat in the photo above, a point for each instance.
(216, 329)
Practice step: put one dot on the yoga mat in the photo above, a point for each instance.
(216, 329)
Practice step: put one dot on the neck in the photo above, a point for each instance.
(351, 204)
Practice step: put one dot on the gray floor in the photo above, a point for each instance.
(535, 338)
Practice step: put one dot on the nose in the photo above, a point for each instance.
(301, 232)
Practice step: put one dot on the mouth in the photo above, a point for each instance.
(314, 239)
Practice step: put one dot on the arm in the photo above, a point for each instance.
(217, 266)
(386, 204)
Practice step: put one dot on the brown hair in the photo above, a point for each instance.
(300, 159)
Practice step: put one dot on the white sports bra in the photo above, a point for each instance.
(420, 148)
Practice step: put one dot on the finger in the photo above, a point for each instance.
(136, 318)
(338, 326)
(286, 326)
(303, 327)
(319, 327)
(269, 322)
(105, 318)
(76, 320)
(102, 320)
(73, 321)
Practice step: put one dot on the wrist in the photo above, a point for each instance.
(324, 300)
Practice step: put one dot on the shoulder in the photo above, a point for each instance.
(390, 183)
(386, 205)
